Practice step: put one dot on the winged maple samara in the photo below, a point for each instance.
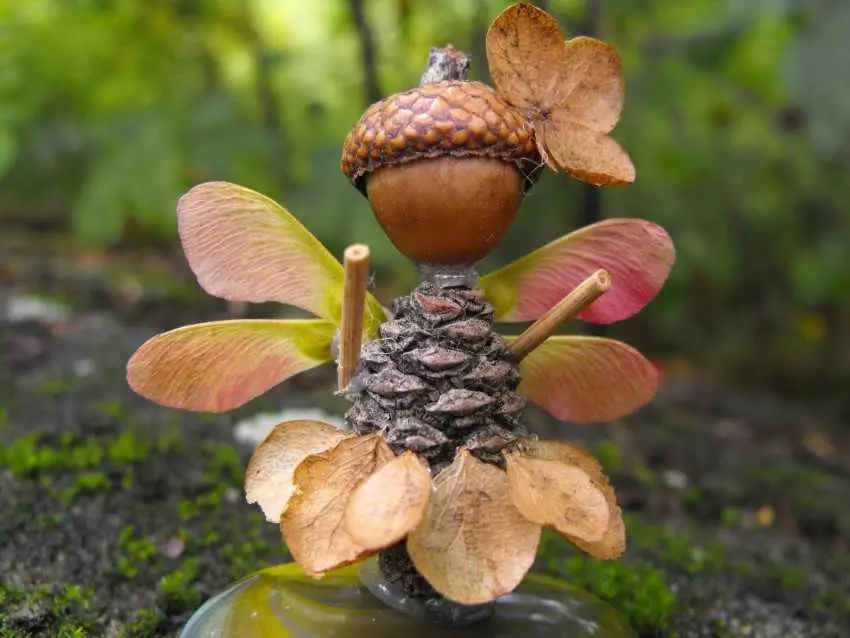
(243, 246)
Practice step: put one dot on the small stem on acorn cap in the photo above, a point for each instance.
(356, 262)
(446, 63)
(568, 308)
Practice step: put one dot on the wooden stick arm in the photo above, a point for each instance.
(356, 264)
(568, 308)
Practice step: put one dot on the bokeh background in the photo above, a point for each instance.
(737, 119)
(118, 517)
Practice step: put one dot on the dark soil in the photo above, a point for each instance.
(118, 518)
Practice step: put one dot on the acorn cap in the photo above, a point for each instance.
(451, 118)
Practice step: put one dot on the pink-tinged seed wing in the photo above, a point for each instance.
(244, 246)
(587, 379)
(636, 253)
(221, 365)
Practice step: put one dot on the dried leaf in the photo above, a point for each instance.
(312, 524)
(389, 504)
(243, 246)
(269, 478)
(637, 254)
(585, 154)
(220, 365)
(525, 52)
(555, 494)
(613, 542)
(474, 545)
(587, 379)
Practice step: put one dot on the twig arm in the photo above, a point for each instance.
(356, 263)
(568, 308)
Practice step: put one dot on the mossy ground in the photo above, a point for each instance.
(119, 518)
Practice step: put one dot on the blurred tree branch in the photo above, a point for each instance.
(367, 51)
(265, 62)
(404, 12)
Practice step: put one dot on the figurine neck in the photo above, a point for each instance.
(448, 276)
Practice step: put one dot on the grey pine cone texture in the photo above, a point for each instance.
(439, 377)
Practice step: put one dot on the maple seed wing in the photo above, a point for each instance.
(243, 246)
(221, 365)
(637, 254)
(269, 477)
(587, 379)
(526, 55)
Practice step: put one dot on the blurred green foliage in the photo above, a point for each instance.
(736, 120)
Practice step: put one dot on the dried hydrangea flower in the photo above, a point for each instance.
(570, 90)
(355, 497)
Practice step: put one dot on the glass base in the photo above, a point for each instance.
(283, 602)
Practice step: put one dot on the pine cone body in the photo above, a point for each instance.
(438, 378)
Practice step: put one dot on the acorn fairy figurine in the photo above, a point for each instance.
(436, 474)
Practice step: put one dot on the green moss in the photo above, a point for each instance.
(113, 409)
(64, 611)
(679, 551)
(46, 521)
(730, 517)
(638, 591)
(175, 589)
(146, 623)
(30, 456)
(57, 387)
(254, 549)
(84, 483)
(187, 510)
(225, 465)
(134, 553)
(35, 455)
(833, 601)
(128, 449)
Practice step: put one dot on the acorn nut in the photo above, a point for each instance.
(444, 166)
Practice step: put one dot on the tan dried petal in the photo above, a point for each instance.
(527, 59)
(596, 100)
(474, 545)
(312, 524)
(555, 494)
(585, 154)
(613, 543)
(268, 480)
(389, 504)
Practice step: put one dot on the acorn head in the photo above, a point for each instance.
(444, 166)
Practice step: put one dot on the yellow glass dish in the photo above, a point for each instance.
(283, 602)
